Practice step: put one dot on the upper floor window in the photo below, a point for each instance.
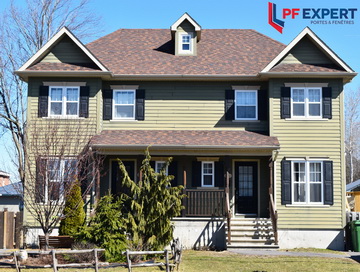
(64, 101)
(207, 174)
(186, 46)
(124, 104)
(246, 105)
(306, 102)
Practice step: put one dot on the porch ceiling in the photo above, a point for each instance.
(206, 140)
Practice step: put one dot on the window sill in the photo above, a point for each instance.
(123, 120)
(307, 119)
(245, 121)
(64, 117)
(307, 205)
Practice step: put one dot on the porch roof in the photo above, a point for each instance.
(183, 139)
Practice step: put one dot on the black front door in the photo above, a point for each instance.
(116, 176)
(246, 180)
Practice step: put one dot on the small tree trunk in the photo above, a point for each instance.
(47, 240)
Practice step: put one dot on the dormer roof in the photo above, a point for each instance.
(187, 17)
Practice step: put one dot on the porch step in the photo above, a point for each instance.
(251, 233)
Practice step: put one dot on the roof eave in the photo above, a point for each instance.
(264, 147)
(29, 73)
(345, 75)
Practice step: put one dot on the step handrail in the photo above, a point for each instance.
(228, 209)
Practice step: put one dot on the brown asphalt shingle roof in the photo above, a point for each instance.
(54, 66)
(178, 138)
(298, 67)
(151, 51)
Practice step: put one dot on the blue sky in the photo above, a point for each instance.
(344, 39)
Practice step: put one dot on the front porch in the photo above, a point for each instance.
(226, 174)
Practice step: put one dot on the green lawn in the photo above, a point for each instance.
(226, 261)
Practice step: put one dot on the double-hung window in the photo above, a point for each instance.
(207, 174)
(246, 105)
(160, 165)
(64, 101)
(186, 46)
(124, 104)
(59, 172)
(306, 102)
(307, 182)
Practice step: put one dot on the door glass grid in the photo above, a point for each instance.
(246, 179)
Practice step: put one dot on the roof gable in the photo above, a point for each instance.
(56, 50)
(307, 48)
(188, 21)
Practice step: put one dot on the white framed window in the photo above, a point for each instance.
(64, 101)
(207, 174)
(159, 165)
(58, 173)
(246, 105)
(124, 104)
(307, 182)
(306, 102)
(186, 43)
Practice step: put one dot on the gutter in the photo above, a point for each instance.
(100, 146)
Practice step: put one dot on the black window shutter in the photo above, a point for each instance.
(285, 102)
(172, 170)
(152, 164)
(43, 101)
(107, 104)
(328, 183)
(140, 105)
(219, 174)
(327, 102)
(285, 182)
(196, 174)
(229, 105)
(84, 101)
(263, 105)
(40, 180)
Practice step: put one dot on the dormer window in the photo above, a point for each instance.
(186, 33)
(186, 44)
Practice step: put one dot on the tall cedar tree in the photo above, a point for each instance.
(149, 205)
(74, 215)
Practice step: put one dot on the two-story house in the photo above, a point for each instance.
(255, 127)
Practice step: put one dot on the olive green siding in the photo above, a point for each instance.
(88, 126)
(66, 51)
(306, 52)
(185, 105)
(322, 138)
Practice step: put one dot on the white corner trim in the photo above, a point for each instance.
(175, 25)
(124, 87)
(49, 83)
(316, 39)
(238, 87)
(43, 50)
(306, 85)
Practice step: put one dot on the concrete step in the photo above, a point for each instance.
(251, 233)
(251, 246)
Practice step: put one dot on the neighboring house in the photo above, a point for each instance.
(10, 197)
(4, 178)
(238, 111)
(353, 186)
